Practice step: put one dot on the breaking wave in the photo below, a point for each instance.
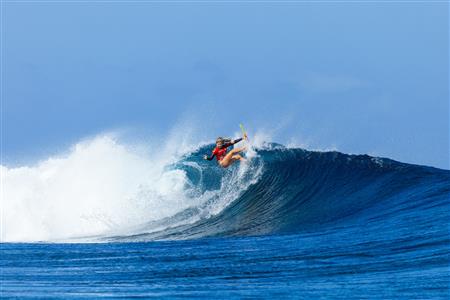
(105, 191)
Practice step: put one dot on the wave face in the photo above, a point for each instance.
(284, 191)
(104, 191)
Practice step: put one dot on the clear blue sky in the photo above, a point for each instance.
(365, 78)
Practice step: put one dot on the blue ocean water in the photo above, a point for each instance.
(311, 225)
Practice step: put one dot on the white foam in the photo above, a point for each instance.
(102, 186)
(98, 185)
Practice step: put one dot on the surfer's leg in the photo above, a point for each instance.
(231, 157)
(237, 150)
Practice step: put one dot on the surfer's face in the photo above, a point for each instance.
(219, 144)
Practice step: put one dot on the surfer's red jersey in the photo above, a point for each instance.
(220, 153)
(221, 148)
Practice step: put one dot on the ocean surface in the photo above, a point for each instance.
(289, 223)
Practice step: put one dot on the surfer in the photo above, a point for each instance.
(220, 152)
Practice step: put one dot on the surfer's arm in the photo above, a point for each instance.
(231, 143)
(236, 141)
(208, 157)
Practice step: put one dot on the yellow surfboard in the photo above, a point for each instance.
(244, 134)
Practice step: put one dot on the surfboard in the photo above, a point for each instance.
(244, 133)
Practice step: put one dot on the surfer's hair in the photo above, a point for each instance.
(222, 140)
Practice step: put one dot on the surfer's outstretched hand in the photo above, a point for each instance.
(245, 136)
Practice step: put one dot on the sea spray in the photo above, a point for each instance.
(100, 184)
(103, 187)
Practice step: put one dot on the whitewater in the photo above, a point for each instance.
(139, 221)
(102, 187)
